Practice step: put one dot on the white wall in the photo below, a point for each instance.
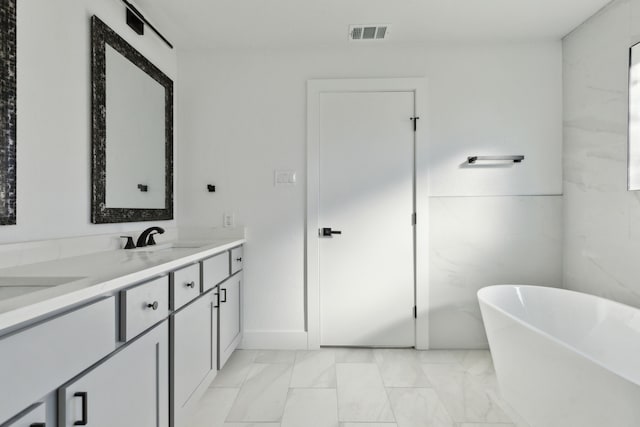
(242, 115)
(54, 115)
(602, 218)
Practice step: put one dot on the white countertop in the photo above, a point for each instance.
(30, 291)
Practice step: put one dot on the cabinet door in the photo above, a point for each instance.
(131, 388)
(34, 416)
(230, 318)
(36, 360)
(194, 356)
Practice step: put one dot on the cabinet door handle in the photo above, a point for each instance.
(85, 403)
(153, 306)
(191, 284)
(225, 294)
(217, 304)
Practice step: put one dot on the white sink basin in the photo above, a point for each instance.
(35, 281)
(16, 286)
(169, 245)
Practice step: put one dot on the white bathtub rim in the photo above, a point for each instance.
(599, 363)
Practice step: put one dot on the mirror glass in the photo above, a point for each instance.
(633, 158)
(132, 133)
(135, 148)
(8, 112)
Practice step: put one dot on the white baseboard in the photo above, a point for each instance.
(274, 340)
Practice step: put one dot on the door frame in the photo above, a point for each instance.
(421, 236)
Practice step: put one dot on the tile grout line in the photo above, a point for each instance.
(335, 371)
(244, 379)
(286, 400)
(386, 392)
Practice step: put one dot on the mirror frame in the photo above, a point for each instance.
(101, 35)
(8, 115)
(633, 123)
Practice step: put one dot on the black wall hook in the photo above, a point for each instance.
(211, 188)
(143, 188)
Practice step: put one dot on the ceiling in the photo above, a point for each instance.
(192, 24)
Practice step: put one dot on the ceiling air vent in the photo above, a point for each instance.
(368, 32)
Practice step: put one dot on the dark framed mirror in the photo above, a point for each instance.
(8, 112)
(132, 156)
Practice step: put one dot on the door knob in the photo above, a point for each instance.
(328, 232)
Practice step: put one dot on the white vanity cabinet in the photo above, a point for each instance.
(129, 388)
(194, 354)
(230, 320)
(34, 416)
(138, 350)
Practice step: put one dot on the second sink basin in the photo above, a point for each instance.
(169, 245)
(36, 281)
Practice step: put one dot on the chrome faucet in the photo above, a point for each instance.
(146, 238)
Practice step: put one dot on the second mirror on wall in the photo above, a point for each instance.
(633, 166)
(8, 143)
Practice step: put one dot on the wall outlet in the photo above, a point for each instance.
(228, 220)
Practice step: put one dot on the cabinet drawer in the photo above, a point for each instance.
(236, 259)
(143, 306)
(184, 286)
(214, 270)
(34, 415)
(38, 359)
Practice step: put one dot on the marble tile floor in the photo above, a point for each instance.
(355, 388)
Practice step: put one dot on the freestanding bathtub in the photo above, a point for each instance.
(563, 358)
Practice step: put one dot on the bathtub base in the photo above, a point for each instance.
(551, 386)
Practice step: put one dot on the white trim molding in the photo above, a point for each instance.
(267, 340)
(314, 89)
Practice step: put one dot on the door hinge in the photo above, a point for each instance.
(415, 123)
(414, 218)
(415, 312)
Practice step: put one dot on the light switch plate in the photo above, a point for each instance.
(284, 177)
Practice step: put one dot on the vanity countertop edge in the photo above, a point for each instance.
(135, 268)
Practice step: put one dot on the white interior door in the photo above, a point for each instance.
(366, 192)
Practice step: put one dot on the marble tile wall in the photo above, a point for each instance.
(481, 241)
(602, 218)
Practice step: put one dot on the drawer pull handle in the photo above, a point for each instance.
(190, 285)
(225, 294)
(239, 259)
(153, 306)
(85, 403)
(38, 425)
